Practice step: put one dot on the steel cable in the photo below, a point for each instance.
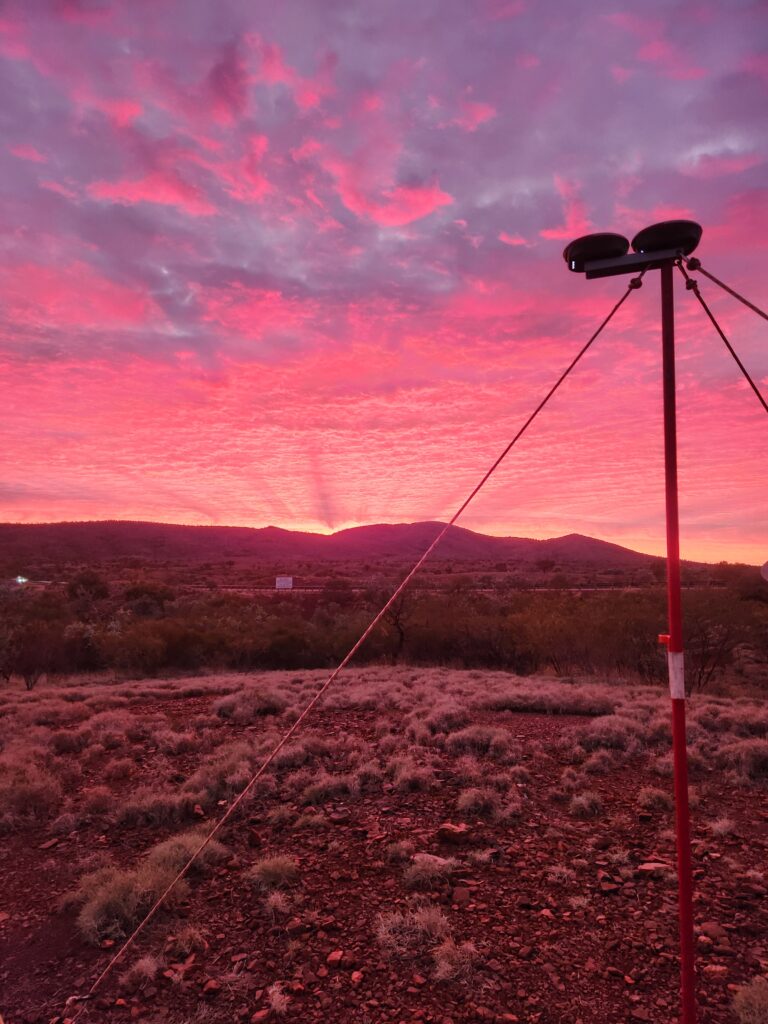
(694, 264)
(633, 284)
(693, 285)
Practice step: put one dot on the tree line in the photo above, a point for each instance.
(148, 629)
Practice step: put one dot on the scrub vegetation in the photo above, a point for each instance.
(427, 823)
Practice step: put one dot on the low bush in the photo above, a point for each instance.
(750, 757)
(273, 872)
(113, 899)
(480, 739)
(153, 807)
(586, 805)
(403, 932)
(172, 854)
(326, 787)
(612, 732)
(651, 799)
(248, 706)
(479, 801)
(750, 1004)
(455, 961)
(28, 793)
(426, 870)
(410, 777)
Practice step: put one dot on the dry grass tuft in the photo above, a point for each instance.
(28, 793)
(586, 805)
(651, 799)
(480, 739)
(273, 872)
(454, 961)
(141, 973)
(248, 706)
(750, 757)
(426, 870)
(400, 932)
(750, 1003)
(479, 801)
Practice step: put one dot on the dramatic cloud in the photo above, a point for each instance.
(301, 263)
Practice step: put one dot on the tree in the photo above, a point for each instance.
(87, 586)
(38, 650)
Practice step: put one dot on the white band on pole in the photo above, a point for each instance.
(676, 675)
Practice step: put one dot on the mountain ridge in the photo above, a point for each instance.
(103, 540)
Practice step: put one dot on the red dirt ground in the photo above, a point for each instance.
(610, 957)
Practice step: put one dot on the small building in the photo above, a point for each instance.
(283, 582)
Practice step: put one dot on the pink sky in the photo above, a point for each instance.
(301, 263)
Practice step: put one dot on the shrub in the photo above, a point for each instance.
(277, 999)
(188, 939)
(327, 786)
(246, 707)
(222, 776)
(98, 800)
(480, 739)
(141, 973)
(722, 827)
(750, 757)
(153, 807)
(426, 870)
(401, 932)
(614, 732)
(119, 769)
(398, 853)
(68, 742)
(410, 777)
(750, 1003)
(651, 799)
(599, 762)
(28, 793)
(63, 824)
(454, 961)
(273, 872)
(277, 903)
(172, 854)
(112, 900)
(446, 719)
(175, 743)
(586, 805)
(369, 777)
(560, 874)
(483, 802)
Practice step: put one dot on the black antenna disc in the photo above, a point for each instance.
(601, 246)
(681, 235)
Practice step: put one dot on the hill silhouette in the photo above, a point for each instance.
(152, 542)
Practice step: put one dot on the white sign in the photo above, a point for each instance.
(283, 582)
(764, 571)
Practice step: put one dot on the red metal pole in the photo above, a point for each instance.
(675, 655)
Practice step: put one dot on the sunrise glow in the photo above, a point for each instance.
(301, 264)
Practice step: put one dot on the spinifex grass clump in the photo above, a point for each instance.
(112, 899)
(426, 870)
(28, 793)
(273, 872)
(400, 932)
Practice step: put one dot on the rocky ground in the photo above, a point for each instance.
(434, 846)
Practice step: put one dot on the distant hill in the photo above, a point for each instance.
(160, 542)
